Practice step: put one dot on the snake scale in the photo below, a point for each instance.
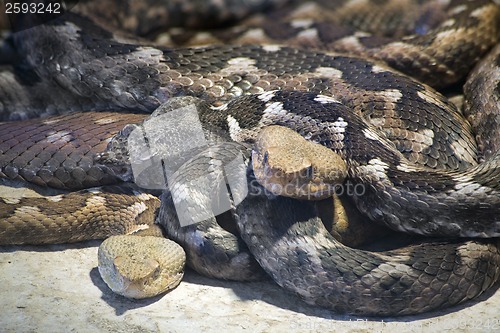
(406, 144)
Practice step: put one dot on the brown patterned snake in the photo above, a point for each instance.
(412, 152)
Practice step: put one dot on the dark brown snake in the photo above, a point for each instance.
(412, 152)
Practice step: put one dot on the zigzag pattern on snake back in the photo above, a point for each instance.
(93, 71)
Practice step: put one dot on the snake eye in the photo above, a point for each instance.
(266, 158)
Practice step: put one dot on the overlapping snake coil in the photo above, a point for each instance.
(410, 149)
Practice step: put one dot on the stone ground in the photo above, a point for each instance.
(58, 289)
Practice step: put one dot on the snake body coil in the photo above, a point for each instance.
(404, 143)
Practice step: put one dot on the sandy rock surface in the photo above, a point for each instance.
(58, 289)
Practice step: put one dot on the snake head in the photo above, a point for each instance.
(287, 164)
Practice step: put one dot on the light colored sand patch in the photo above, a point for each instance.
(58, 289)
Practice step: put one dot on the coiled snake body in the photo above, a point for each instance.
(413, 153)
